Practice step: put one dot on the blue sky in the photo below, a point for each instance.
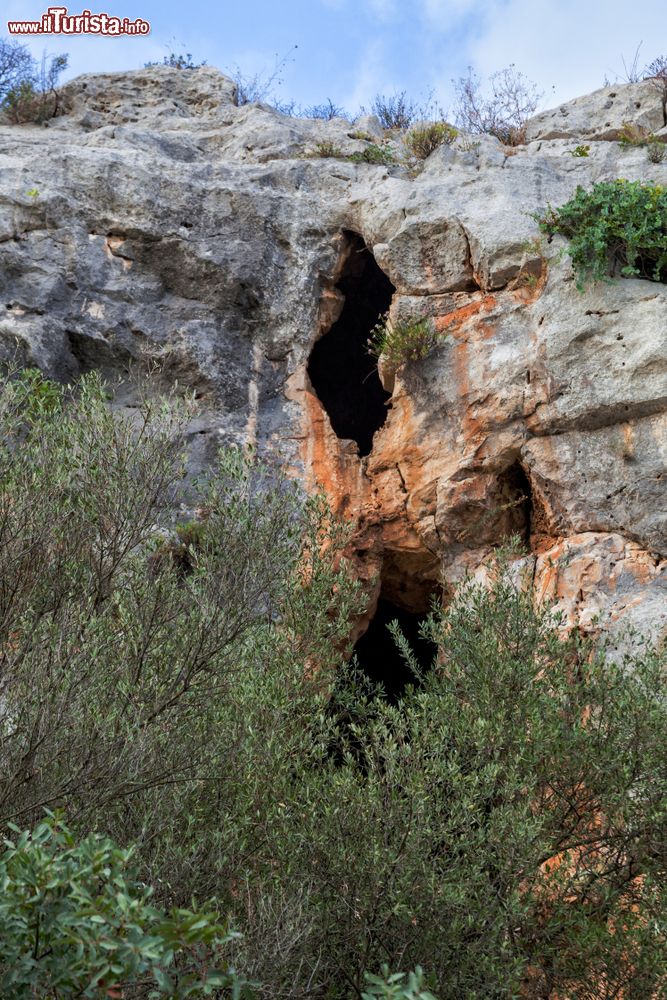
(349, 50)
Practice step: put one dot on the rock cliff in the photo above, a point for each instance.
(157, 222)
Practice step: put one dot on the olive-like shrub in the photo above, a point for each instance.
(176, 679)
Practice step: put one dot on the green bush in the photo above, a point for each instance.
(402, 342)
(168, 684)
(422, 140)
(619, 227)
(506, 819)
(396, 986)
(76, 922)
(373, 154)
(118, 663)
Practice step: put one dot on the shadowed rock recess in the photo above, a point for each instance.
(379, 657)
(173, 228)
(342, 371)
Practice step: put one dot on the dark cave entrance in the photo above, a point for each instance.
(341, 371)
(379, 657)
(517, 501)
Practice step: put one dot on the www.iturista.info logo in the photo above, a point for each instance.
(56, 21)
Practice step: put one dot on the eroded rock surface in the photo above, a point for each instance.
(158, 222)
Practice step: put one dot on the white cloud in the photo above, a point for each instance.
(442, 13)
(568, 46)
(371, 77)
(384, 9)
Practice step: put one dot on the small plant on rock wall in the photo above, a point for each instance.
(360, 135)
(656, 151)
(326, 150)
(633, 136)
(422, 140)
(380, 155)
(402, 342)
(617, 228)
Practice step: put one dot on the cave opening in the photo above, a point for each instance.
(379, 657)
(342, 372)
(517, 502)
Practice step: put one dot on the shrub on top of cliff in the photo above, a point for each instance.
(177, 60)
(504, 113)
(16, 64)
(422, 140)
(396, 111)
(617, 228)
(402, 342)
(325, 112)
(260, 87)
(28, 89)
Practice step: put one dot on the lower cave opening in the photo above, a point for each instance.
(342, 372)
(516, 494)
(380, 659)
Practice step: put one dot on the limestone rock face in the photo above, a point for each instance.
(156, 222)
(602, 114)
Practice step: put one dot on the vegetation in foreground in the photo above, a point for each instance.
(503, 826)
(75, 921)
